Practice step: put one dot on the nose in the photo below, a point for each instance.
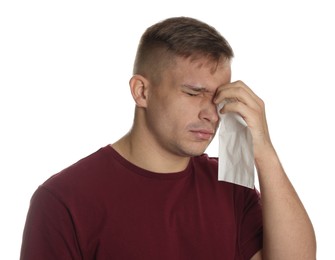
(209, 112)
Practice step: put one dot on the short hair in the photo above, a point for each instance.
(178, 36)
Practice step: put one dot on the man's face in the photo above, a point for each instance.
(180, 115)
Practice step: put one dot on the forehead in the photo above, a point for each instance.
(201, 72)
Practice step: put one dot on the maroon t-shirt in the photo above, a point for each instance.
(104, 207)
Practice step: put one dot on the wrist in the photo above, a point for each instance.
(265, 155)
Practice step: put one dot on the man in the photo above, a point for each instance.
(154, 194)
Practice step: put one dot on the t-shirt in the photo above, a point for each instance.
(104, 207)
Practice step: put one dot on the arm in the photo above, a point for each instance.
(49, 232)
(288, 231)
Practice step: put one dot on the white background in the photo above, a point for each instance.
(64, 71)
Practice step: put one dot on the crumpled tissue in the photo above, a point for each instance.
(236, 155)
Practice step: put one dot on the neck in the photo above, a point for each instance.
(143, 153)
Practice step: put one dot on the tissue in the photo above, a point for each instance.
(236, 156)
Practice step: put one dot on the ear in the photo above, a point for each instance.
(139, 89)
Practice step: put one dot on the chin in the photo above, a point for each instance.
(189, 148)
(191, 152)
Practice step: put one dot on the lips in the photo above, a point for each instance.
(203, 134)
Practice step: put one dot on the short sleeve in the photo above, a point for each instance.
(49, 232)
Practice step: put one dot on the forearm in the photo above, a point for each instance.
(288, 232)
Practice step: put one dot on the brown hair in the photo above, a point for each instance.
(179, 36)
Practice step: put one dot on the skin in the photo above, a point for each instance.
(178, 119)
(288, 231)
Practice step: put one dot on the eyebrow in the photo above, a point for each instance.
(196, 88)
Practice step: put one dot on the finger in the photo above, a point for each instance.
(237, 97)
(255, 119)
(238, 91)
(247, 113)
(241, 84)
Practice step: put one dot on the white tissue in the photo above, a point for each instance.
(236, 155)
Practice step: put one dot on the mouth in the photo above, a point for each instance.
(203, 134)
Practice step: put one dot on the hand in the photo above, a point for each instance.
(244, 101)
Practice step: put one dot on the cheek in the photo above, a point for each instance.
(172, 112)
(185, 110)
(172, 118)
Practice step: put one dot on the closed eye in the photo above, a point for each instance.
(192, 91)
(192, 94)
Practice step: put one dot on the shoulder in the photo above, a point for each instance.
(82, 174)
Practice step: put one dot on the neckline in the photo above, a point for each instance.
(146, 173)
